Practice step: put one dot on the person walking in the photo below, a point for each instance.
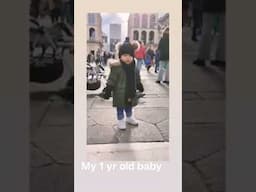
(140, 55)
(149, 58)
(212, 9)
(164, 58)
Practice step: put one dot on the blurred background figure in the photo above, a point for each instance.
(213, 19)
(140, 55)
(163, 48)
(149, 58)
(157, 57)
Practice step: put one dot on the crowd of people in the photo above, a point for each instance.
(101, 57)
(206, 18)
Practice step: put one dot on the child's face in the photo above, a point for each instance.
(126, 58)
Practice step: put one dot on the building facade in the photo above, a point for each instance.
(143, 27)
(94, 32)
(163, 24)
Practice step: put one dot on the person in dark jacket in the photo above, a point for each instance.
(150, 54)
(123, 81)
(163, 48)
(212, 9)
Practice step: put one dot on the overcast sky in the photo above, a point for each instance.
(118, 18)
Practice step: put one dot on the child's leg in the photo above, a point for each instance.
(128, 111)
(130, 119)
(120, 113)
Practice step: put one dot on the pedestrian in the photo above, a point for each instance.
(140, 55)
(157, 57)
(123, 81)
(212, 9)
(163, 48)
(149, 58)
(127, 40)
(91, 57)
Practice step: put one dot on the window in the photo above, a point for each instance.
(136, 20)
(144, 21)
(151, 36)
(135, 35)
(92, 34)
(91, 19)
(144, 37)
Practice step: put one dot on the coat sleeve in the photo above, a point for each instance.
(106, 93)
(112, 77)
(139, 85)
(160, 45)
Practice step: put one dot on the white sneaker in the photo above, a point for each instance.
(132, 121)
(121, 124)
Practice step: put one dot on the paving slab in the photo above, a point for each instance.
(191, 180)
(57, 141)
(144, 132)
(199, 141)
(100, 134)
(213, 168)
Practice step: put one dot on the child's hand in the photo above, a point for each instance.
(106, 93)
(103, 95)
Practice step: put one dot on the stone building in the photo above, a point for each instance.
(143, 27)
(94, 32)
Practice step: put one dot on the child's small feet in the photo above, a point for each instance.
(121, 124)
(132, 121)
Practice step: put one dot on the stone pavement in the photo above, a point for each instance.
(152, 113)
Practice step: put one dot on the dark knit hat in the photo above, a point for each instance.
(126, 48)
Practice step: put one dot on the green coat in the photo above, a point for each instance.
(117, 80)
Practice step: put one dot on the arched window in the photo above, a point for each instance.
(92, 33)
(135, 35)
(144, 37)
(151, 36)
(136, 20)
(144, 21)
(152, 21)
